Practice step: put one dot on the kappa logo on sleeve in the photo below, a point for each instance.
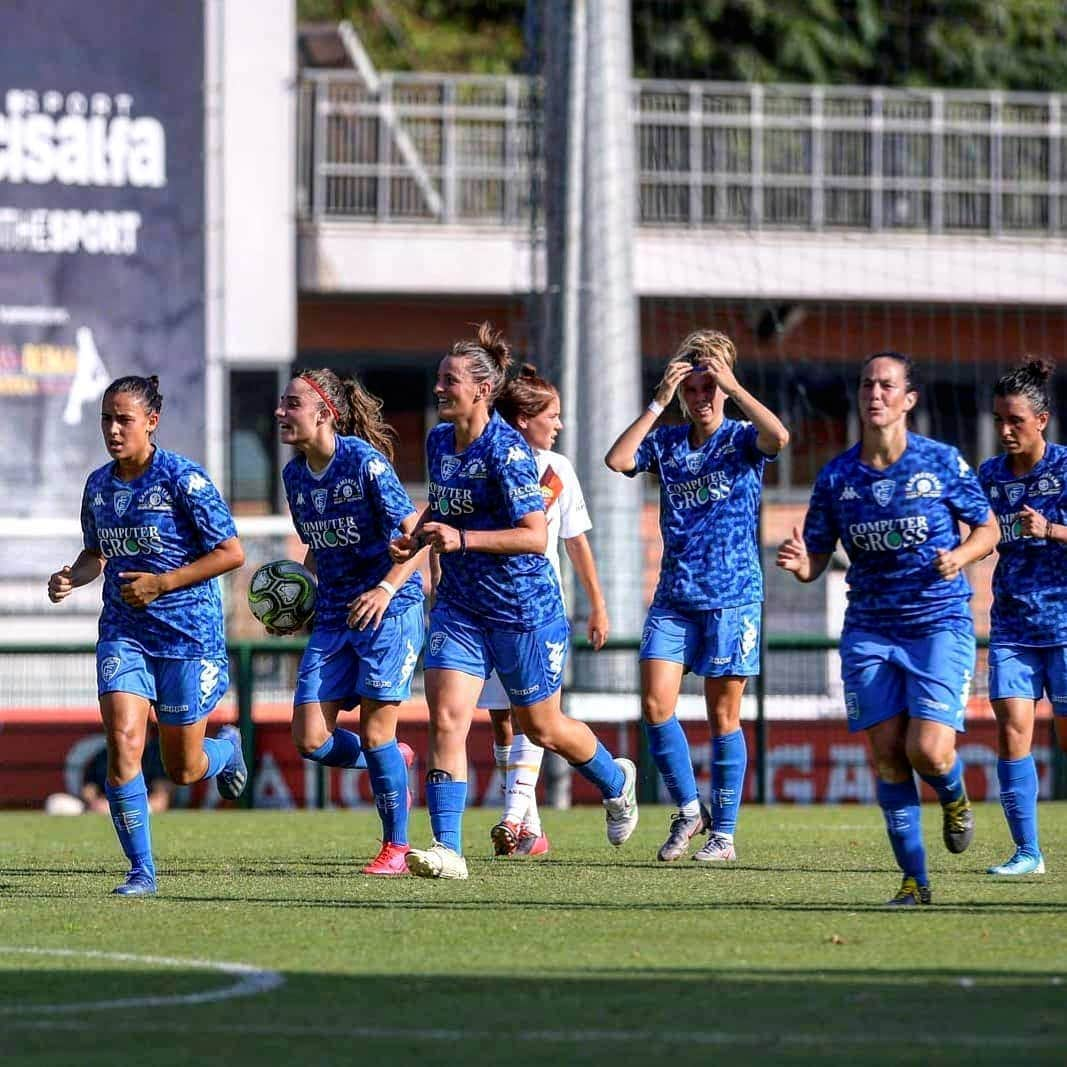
(195, 483)
(516, 454)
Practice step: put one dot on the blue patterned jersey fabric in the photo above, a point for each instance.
(708, 506)
(347, 515)
(891, 523)
(168, 517)
(1030, 579)
(491, 485)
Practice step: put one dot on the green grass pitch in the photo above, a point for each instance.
(589, 955)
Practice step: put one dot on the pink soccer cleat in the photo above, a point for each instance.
(531, 844)
(389, 861)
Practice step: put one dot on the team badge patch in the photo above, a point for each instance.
(437, 642)
(923, 484)
(883, 491)
(449, 466)
(318, 498)
(110, 667)
(1014, 491)
(694, 461)
(122, 501)
(346, 490)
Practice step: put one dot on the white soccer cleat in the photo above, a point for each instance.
(621, 811)
(717, 850)
(437, 861)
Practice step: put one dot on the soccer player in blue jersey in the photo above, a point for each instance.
(347, 505)
(498, 603)
(156, 526)
(705, 615)
(895, 501)
(1027, 486)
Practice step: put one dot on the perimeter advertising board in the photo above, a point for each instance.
(101, 233)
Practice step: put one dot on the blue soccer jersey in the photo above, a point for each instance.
(347, 515)
(491, 485)
(708, 507)
(168, 517)
(891, 524)
(1030, 580)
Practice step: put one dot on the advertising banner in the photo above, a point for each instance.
(101, 234)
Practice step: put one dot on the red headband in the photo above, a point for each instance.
(325, 399)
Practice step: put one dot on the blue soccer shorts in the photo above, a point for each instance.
(182, 690)
(718, 643)
(342, 665)
(1029, 673)
(529, 662)
(929, 677)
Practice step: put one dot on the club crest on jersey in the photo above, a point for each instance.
(1047, 485)
(923, 484)
(318, 498)
(694, 461)
(346, 491)
(110, 667)
(449, 466)
(848, 493)
(122, 501)
(1014, 491)
(883, 491)
(475, 469)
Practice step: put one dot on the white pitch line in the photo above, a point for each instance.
(719, 1038)
(250, 982)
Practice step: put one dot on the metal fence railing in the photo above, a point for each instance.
(794, 697)
(461, 150)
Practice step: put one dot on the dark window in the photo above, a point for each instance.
(253, 442)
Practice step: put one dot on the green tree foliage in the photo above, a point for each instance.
(470, 36)
(1005, 44)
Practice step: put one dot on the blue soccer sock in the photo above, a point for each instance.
(445, 801)
(603, 772)
(900, 806)
(389, 783)
(670, 752)
(341, 749)
(218, 753)
(948, 787)
(1018, 797)
(729, 761)
(129, 813)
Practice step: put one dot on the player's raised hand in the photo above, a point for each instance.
(1033, 523)
(793, 553)
(60, 585)
(140, 588)
(947, 564)
(719, 368)
(673, 375)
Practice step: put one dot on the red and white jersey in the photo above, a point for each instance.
(564, 503)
